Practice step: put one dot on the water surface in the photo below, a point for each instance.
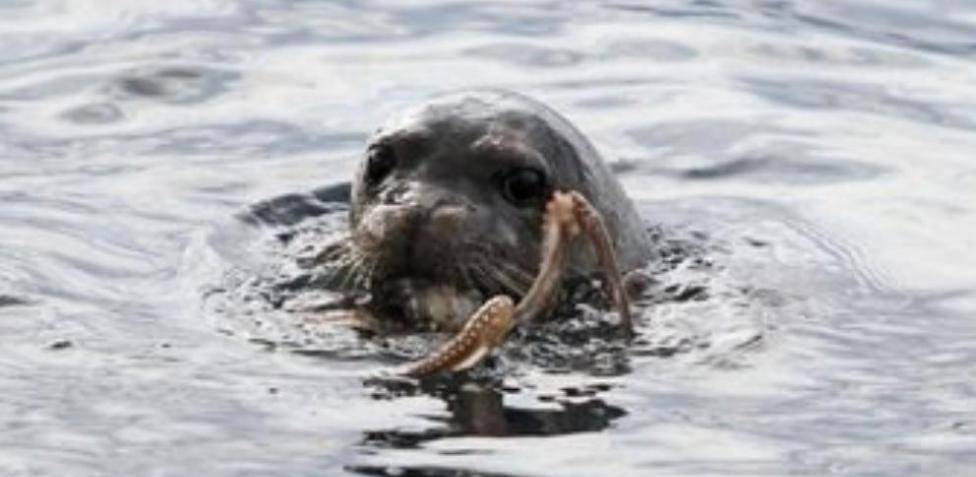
(809, 164)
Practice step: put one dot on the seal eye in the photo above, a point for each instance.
(380, 160)
(524, 186)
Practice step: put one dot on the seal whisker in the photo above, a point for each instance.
(335, 250)
(515, 270)
(347, 268)
(483, 278)
(464, 271)
(515, 278)
(357, 271)
(499, 278)
(517, 274)
(369, 265)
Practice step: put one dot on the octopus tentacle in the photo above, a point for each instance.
(484, 331)
(567, 214)
(557, 230)
(590, 220)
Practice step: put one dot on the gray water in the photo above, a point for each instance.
(817, 157)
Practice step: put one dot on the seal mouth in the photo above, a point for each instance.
(464, 268)
(439, 282)
(417, 300)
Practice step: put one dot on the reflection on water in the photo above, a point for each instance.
(479, 410)
(393, 471)
(806, 167)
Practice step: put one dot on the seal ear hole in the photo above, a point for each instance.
(380, 161)
(524, 186)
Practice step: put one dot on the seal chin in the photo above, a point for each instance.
(418, 301)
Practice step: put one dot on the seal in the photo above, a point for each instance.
(447, 202)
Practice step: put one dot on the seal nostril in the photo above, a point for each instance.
(449, 218)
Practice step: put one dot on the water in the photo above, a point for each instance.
(818, 156)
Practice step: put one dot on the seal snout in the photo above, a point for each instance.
(440, 235)
(419, 238)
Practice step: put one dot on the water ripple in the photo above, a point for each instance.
(805, 169)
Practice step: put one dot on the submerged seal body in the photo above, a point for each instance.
(447, 202)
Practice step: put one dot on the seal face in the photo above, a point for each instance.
(448, 200)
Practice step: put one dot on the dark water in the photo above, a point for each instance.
(810, 165)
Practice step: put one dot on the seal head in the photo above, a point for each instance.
(450, 196)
